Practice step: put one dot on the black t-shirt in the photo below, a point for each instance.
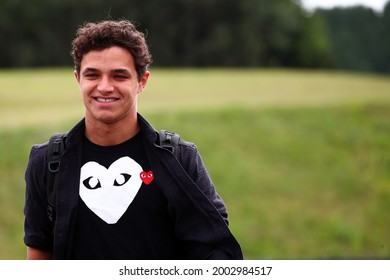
(122, 212)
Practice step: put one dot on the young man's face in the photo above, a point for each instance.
(109, 85)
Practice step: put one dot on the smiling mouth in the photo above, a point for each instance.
(105, 100)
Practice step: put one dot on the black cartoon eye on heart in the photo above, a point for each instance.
(122, 179)
(92, 184)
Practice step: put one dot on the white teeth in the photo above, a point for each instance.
(105, 100)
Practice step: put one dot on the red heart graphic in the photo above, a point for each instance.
(147, 177)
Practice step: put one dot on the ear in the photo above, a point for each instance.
(144, 80)
(76, 75)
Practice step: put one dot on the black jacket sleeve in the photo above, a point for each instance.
(193, 164)
(37, 227)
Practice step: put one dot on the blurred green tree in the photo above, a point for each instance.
(356, 37)
(195, 33)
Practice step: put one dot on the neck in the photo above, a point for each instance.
(110, 134)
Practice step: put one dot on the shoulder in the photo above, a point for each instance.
(190, 158)
(186, 151)
(187, 147)
(38, 151)
(37, 160)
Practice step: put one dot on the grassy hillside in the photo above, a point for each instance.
(301, 159)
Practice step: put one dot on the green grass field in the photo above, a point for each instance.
(301, 158)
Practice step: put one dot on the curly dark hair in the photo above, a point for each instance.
(108, 33)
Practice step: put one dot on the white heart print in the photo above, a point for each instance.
(109, 192)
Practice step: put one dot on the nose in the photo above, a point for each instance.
(105, 85)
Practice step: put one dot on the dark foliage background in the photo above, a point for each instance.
(196, 33)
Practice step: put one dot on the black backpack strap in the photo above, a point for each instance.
(55, 150)
(170, 141)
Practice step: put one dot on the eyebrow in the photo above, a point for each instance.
(117, 71)
(89, 69)
(120, 70)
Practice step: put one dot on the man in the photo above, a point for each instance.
(120, 195)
